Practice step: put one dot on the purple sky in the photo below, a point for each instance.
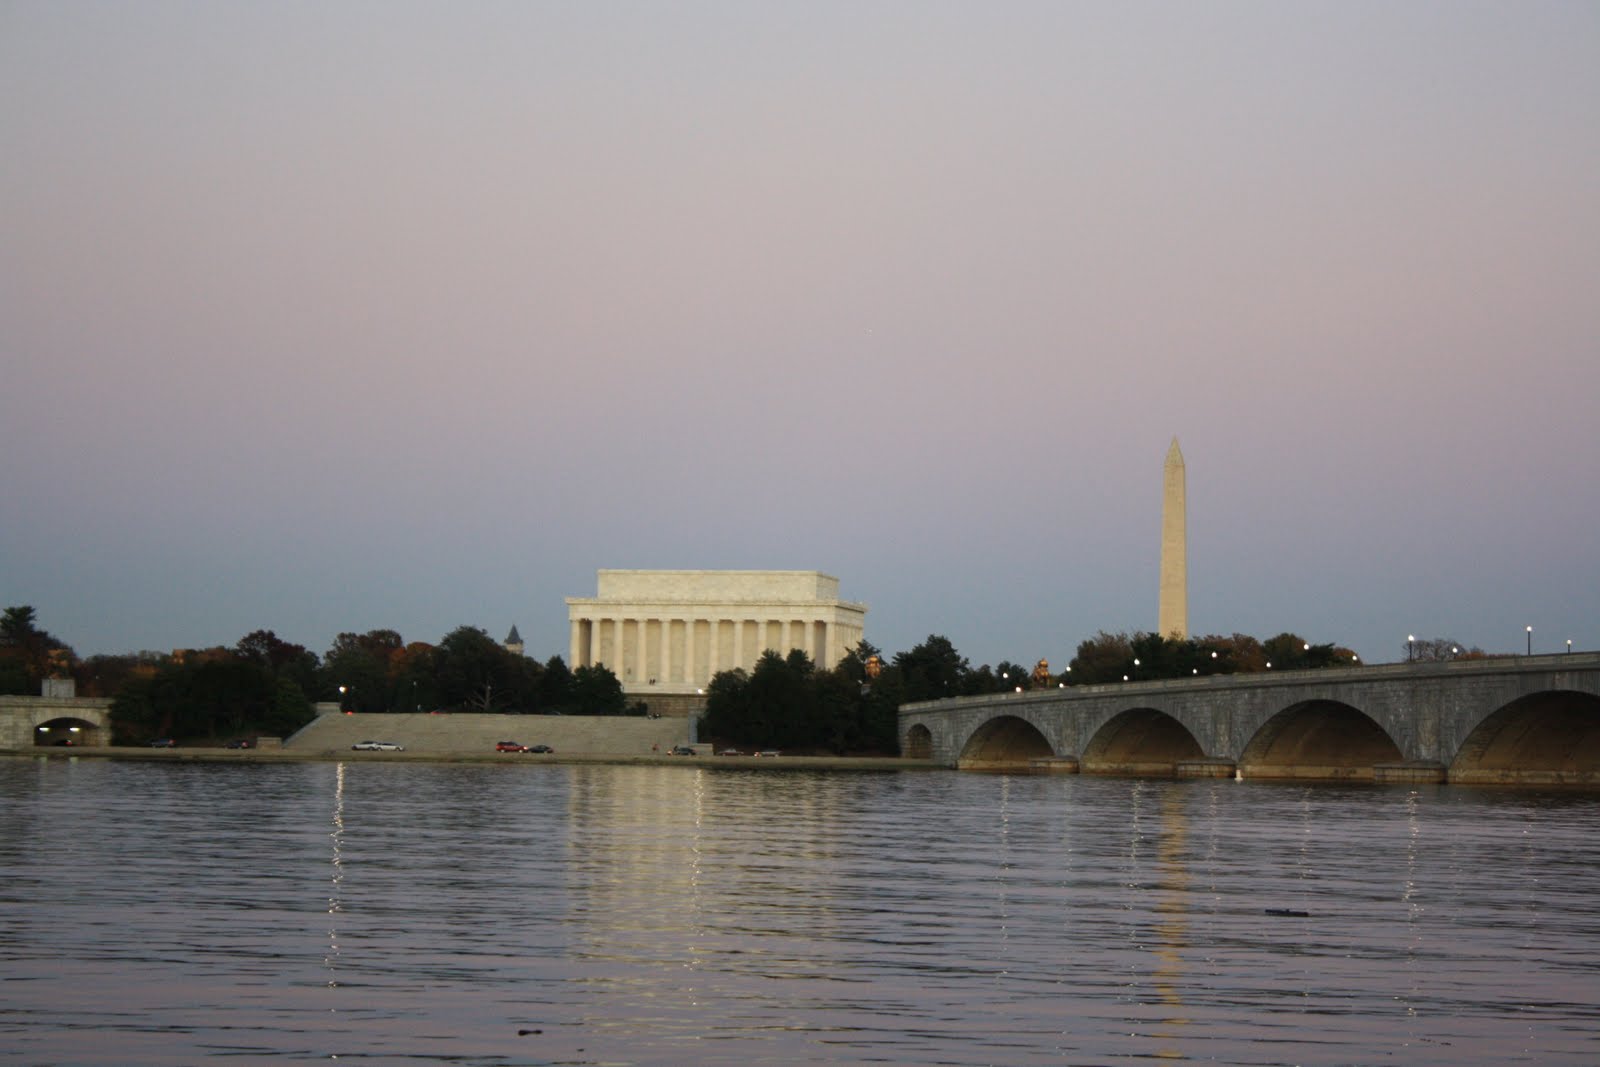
(335, 317)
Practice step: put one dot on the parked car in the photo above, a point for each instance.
(681, 750)
(376, 746)
(769, 752)
(509, 746)
(163, 742)
(242, 742)
(541, 748)
(731, 752)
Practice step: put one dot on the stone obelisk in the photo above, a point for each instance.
(1172, 620)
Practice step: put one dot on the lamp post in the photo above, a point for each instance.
(1411, 640)
(1569, 646)
(1530, 640)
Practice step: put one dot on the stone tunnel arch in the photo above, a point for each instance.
(1140, 741)
(919, 742)
(1548, 738)
(1318, 739)
(67, 731)
(1004, 743)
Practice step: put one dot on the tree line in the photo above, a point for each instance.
(267, 685)
(264, 684)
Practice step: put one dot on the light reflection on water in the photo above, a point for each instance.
(487, 914)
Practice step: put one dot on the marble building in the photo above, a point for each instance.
(665, 633)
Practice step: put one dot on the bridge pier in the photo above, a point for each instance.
(1427, 772)
(1209, 767)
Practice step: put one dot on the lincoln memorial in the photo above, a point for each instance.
(665, 633)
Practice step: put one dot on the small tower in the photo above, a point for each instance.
(1172, 617)
(513, 641)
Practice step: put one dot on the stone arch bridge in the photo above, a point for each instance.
(1515, 720)
(34, 722)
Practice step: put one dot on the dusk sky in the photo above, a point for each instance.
(326, 317)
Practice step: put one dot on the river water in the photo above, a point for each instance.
(159, 913)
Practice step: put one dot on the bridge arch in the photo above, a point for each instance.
(67, 731)
(1139, 741)
(1545, 738)
(1318, 739)
(918, 742)
(1004, 742)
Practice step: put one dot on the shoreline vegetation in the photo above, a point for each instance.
(289, 755)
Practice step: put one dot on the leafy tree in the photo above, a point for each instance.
(357, 677)
(474, 672)
(1010, 676)
(932, 670)
(726, 701)
(282, 658)
(104, 676)
(28, 655)
(596, 691)
(1440, 649)
(1239, 653)
(555, 686)
(208, 699)
(1102, 658)
(786, 702)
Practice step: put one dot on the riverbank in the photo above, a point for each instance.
(289, 755)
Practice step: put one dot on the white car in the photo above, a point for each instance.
(376, 746)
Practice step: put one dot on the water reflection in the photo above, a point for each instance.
(1172, 925)
(335, 897)
(407, 913)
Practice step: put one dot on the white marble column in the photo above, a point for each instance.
(689, 677)
(640, 651)
(711, 648)
(663, 651)
(576, 648)
(668, 663)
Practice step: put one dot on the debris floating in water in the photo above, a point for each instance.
(1290, 912)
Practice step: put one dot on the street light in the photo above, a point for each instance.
(1411, 639)
(1530, 640)
(1569, 646)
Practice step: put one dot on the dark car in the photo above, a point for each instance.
(509, 746)
(681, 750)
(541, 748)
(241, 743)
(163, 742)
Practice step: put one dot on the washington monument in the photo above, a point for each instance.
(1172, 620)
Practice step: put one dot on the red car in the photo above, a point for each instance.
(508, 746)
